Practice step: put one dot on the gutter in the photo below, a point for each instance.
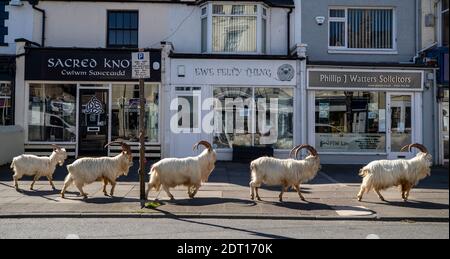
(42, 11)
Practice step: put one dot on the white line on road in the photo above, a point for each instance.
(72, 236)
(331, 179)
(373, 236)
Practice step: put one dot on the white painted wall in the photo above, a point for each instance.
(11, 137)
(20, 25)
(428, 33)
(83, 24)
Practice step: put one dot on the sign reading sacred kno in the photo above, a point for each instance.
(84, 98)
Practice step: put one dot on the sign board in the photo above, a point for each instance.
(87, 65)
(233, 72)
(365, 79)
(140, 65)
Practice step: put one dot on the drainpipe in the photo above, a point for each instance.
(418, 25)
(43, 23)
(289, 31)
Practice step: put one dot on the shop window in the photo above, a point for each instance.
(239, 119)
(51, 112)
(3, 17)
(125, 112)
(358, 28)
(350, 121)
(123, 28)
(6, 109)
(234, 28)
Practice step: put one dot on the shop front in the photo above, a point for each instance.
(358, 115)
(247, 102)
(82, 99)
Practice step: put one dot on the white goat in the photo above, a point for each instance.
(190, 172)
(88, 170)
(284, 172)
(383, 174)
(32, 165)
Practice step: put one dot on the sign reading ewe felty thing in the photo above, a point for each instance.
(85, 65)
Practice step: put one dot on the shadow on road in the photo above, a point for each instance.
(425, 205)
(198, 202)
(251, 232)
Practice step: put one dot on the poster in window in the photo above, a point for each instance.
(382, 120)
(324, 110)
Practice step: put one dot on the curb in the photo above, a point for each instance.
(223, 216)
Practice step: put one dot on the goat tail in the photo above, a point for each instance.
(155, 179)
(364, 172)
(13, 164)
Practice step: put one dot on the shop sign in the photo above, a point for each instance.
(140, 65)
(236, 72)
(87, 65)
(365, 79)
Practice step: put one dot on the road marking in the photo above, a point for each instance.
(331, 179)
(72, 236)
(373, 236)
(352, 211)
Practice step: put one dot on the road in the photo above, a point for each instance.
(156, 228)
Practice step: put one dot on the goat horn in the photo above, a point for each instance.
(311, 150)
(420, 147)
(204, 143)
(125, 147)
(56, 146)
(405, 148)
(293, 151)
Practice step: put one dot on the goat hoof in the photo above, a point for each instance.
(259, 199)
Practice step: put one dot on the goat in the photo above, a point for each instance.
(190, 172)
(284, 172)
(383, 174)
(32, 165)
(88, 170)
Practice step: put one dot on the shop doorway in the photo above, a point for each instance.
(444, 128)
(186, 113)
(93, 121)
(400, 124)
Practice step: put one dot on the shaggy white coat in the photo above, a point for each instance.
(190, 172)
(88, 170)
(282, 172)
(31, 165)
(383, 174)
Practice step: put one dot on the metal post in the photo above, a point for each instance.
(142, 138)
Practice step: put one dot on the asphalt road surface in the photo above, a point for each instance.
(91, 228)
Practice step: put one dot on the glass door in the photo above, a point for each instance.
(93, 122)
(400, 124)
(186, 121)
(444, 127)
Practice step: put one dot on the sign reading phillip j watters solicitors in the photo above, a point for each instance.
(365, 79)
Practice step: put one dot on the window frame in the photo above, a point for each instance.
(4, 28)
(108, 45)
(439, 27)
(259, 35)
(346, 49)
(11, 97)
(295, 114)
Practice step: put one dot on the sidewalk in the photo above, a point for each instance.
(331, 195)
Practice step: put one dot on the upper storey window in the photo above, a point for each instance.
(234, 28)
(361, 29)
(123, 27)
